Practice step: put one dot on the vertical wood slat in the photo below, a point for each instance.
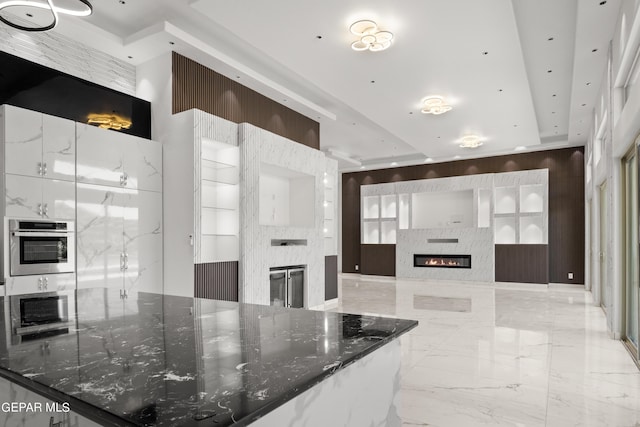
(216, 280)
(196, 86)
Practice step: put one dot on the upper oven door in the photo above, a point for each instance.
(41, 252)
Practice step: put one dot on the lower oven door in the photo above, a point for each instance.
(34, 314)
(41, 253)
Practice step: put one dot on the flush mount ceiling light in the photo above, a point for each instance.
(42, 14)
(109, 121)
(371, 38)
(435, 105)
(470, 141)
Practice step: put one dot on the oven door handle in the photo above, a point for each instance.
(40, 233)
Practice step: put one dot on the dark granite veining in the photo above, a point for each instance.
(168, 361)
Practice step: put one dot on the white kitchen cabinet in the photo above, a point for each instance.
(18, 285)
(32, 197)
(116, 159)
(119, 238)
(38, 145)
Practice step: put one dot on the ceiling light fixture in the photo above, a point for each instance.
(109, 121)
(435, 105)
(83, 8)
(371, 38)
(470, 141)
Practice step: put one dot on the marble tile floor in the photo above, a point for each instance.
(502, 354)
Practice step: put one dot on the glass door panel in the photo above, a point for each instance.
(278, 285)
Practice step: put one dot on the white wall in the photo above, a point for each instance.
(452, 209)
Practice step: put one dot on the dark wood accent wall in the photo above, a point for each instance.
(378, 260)
(566, 202)
(330, 277)
(216, 280)
(196, 86)
(522, 263)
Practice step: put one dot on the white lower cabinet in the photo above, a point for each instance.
(43, 412)
(18, 285)
(119, 238)
(30, 197)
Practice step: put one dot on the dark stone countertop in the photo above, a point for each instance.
(164, 360)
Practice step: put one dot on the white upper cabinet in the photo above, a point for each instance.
(38, 145)
(30, 197)
(118, 160)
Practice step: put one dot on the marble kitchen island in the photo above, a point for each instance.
(151, 359)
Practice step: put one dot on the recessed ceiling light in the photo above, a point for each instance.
(584, 105)
(456, 157)
(362, 167)
(554, 95)
(594, 50)
(485, 53)
(29, 15)
(470, 141)
(549, 71)
(499, 90)
(394, 163)
(435, 104)
(588, 83)
(550, 39)
(515, 126)
(373, 81)
(371, 38)
(410, 112)
(553, 112)
(130, 57)
(603, 2)
(579, 134)
(520, 148)
(428, 159)
(318, 37)
(172, 43)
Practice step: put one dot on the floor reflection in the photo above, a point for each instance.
(503, 355)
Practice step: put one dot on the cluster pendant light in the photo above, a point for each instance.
(470, 141)
(370, 36)
(435, 105)
(12, 10)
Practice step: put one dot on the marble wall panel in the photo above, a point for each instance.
(257, 256)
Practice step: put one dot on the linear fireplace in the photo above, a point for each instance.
(442, 261)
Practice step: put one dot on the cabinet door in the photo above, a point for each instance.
(23, 196)
(24, 285)
(99, 158)
(143, 164)
(59, 282)
(99, 236)
(59, 199)
(59, 148)
(23, 141)
(143, 242)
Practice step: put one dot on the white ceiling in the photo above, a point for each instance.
(368, 104)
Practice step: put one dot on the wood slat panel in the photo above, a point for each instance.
(522, 263)
(330, 277)
(378, 260)
(196, 86)
(566, 202)
(216, 280)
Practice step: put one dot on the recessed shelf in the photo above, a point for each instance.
(505, 200)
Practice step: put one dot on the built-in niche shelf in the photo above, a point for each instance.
(520, 213)
(219, 198)
(379, 219)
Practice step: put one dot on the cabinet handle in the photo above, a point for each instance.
(126, 294)
(121, 262)
(40, 168)
(44, 169)
(126, 178)
(39, 283)
(46, 282)
(40, 209)
(121, 296)
(126, 263)
(46, 209)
